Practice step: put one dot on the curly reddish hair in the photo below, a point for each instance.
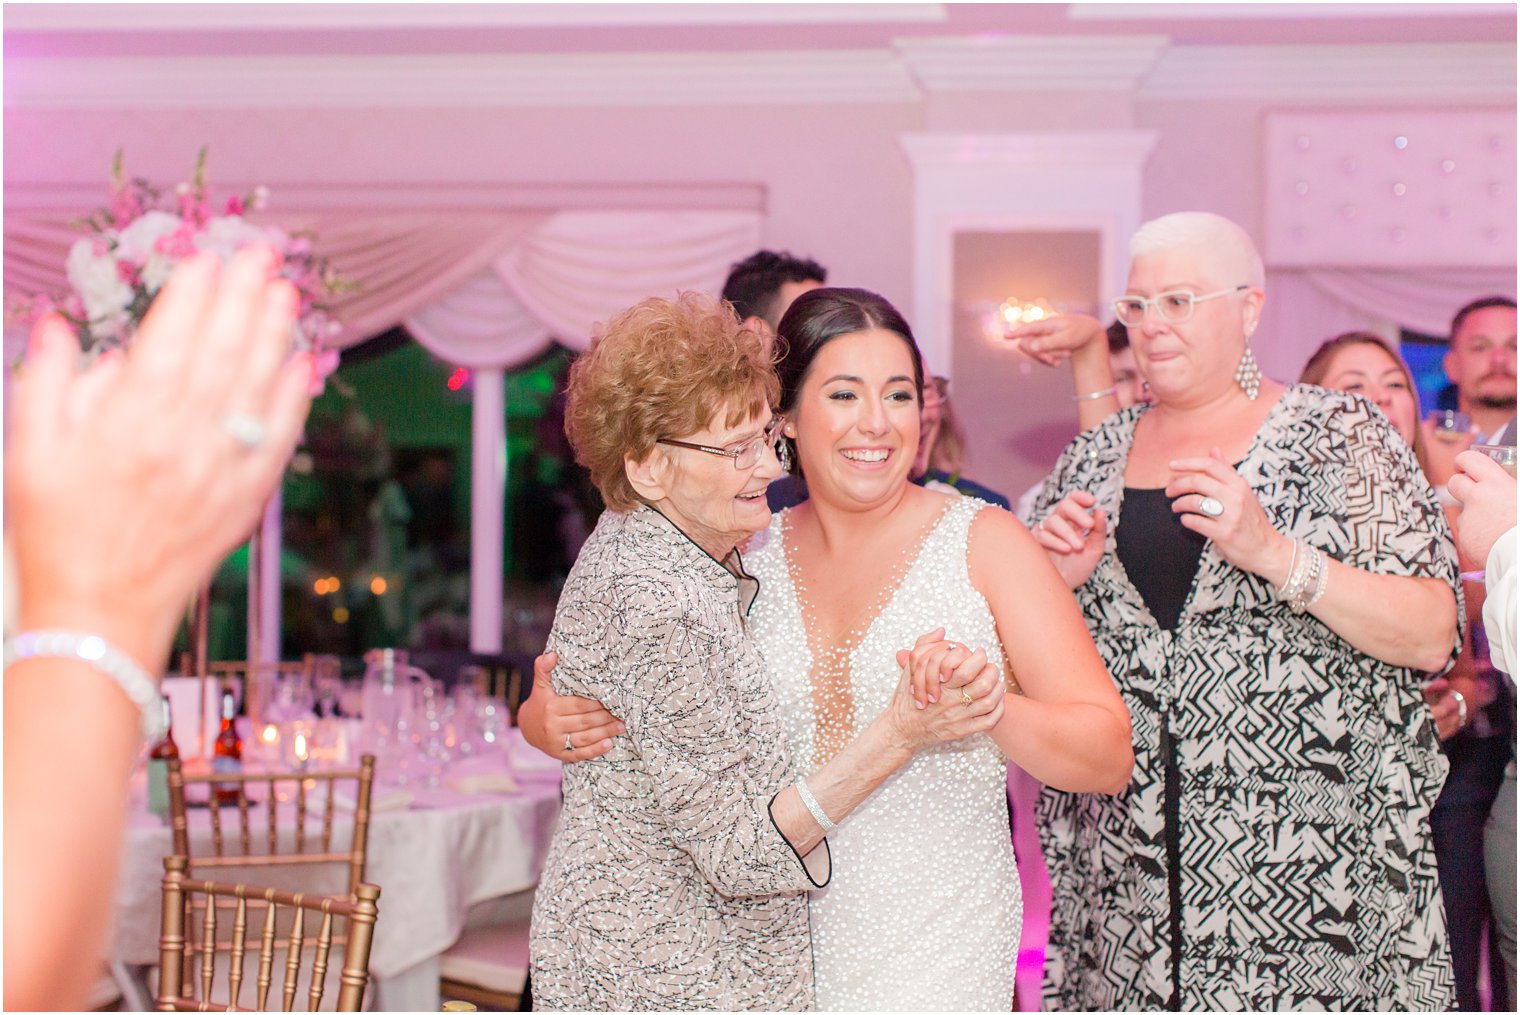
(662, 368)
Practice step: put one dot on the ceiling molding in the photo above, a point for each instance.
(459, 81)
(1275, 12)
(66, 201)
(368, 17)
(1031, 63)
(1053, 150)
(1144, 65)
(1394, 72)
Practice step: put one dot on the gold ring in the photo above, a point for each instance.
(966, 699)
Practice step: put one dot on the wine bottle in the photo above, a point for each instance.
(158, 766)
(227, 752)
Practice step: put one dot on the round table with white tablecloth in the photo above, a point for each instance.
(433, 858)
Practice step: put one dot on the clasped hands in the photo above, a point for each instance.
(947, 690)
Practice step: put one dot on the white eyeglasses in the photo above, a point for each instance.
(1174, 306)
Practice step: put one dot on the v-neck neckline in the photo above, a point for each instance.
(829, 667)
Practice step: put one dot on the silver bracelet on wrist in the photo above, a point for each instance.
(1093, 396)
(104, 657)
(1305, 583)
(811, 803)
(1321, 576)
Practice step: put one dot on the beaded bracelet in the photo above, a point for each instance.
(104, 657)
(1321, 576)
(1306, 577)
(1093, 396)
(811, 803)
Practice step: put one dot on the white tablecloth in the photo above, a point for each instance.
(432, 861)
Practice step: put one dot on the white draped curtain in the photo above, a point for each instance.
(477, 288)
(1305, 306)
(483, 289)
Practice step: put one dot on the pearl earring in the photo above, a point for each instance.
(1248, 375)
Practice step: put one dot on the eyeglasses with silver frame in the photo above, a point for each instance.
(1174, 306)
(746, 454)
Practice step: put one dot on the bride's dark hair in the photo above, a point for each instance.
(819, 316)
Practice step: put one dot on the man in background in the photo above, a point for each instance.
(1480, 363)
(763, 285)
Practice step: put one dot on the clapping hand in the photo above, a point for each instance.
(1052, 340)
(1217, 502)
(1074, 534)
(128, 482)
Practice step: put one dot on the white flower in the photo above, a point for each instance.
(136, 242)
(113, 327)
(94, 278)
(227, 234)
(155, 271)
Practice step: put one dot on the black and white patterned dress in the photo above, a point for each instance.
(1277, 826)
(667, 885)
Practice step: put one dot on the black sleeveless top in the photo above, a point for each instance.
(1159, 554)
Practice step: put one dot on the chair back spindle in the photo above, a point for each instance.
(182, 896)
(302, 791)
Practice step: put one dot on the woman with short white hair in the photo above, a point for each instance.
(1243, 554)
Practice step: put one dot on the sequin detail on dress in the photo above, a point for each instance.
(923, 912)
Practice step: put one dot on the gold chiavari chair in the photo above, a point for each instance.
(278, 922)
(298, 795)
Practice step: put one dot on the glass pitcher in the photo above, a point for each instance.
(391, 688)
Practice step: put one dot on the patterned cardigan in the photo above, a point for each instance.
(667, 885)
(1277, 823)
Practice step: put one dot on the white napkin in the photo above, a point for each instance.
(527, 760)
(481, 775)
(381, 798)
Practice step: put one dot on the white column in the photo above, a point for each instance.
(271, 592)
(264, 552)
(488, 474)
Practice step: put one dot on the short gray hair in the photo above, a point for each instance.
(1229, 255)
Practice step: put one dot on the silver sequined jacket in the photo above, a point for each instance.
(667, 885)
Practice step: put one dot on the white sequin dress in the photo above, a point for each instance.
(923, 913)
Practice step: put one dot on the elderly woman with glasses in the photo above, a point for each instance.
(678, 875)
(1267, 574)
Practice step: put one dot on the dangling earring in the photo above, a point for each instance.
(784, 453)
(1248, 375)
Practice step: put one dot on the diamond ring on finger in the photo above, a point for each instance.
(246, 429)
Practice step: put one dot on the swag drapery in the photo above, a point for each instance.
(487, 290)
(1305, 306)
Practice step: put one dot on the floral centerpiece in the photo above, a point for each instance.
(130, 248)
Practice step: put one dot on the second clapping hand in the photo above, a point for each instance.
(1052, 340)
(1074, 534)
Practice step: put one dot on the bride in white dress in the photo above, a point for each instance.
(923, 911)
